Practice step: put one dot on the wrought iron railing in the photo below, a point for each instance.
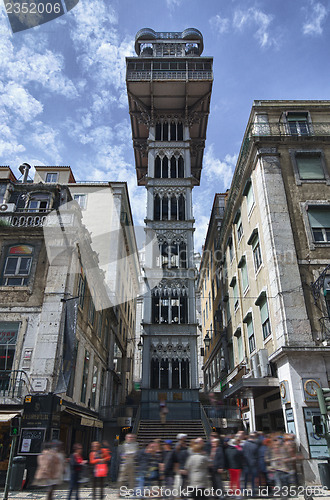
(133, 75)
(318, 284)
(116, 411)
(222, 411)
(14, 384)
(325, 327)
(277, 129)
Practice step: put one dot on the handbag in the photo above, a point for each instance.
(101, 470)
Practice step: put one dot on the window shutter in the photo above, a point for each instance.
(264, 311)
(319, 217)
(310, 167)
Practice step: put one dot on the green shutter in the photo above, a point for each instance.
(319, 217)
(249, 326)
(245, 280)
(264, 311)
(310, 167)
(297, 117)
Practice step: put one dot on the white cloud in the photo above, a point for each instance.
(200, 228)
(220, 24)
(316, 16)
(100, 52)
(47, 139)
(16, 100)
(255, 17)
(217, 170)
(171, 4)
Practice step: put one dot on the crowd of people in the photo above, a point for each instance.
(235, 465)
(246, 463)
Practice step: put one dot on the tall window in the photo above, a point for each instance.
(8, 339)
(167, 309)
(240, 351)
(17, 268)
(264, 316)
(244, 273)
(3, 188)
(85, 377)
(81, 289)
(169, 131)
(298, 123)
(94, 385)
(234, 286)
(319, 219)
(256, 250)
(248, 192)
(239, 225)
(172, 255)
(169, 207)
(250, 332)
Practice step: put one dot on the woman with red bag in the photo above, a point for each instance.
(100, 468)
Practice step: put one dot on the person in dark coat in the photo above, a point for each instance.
(251, 455)
(76, 462)
(234, 461)
(217, 465)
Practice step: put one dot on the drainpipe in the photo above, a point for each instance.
(24, 169)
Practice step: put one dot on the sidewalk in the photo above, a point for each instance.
(113, 494)
(84, 494)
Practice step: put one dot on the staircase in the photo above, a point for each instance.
(152, 429)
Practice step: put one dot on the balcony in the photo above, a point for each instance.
(183, 75)
(14, 385)
(30, 218)
(289, 130)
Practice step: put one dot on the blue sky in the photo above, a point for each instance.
(62, 85)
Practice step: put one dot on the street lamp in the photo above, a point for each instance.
(140, 345)
(207, 340)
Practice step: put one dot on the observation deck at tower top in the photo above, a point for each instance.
(169, 78)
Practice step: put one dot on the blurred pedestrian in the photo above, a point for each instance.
(250, 467)
(100, 468)
(50, 469)
(128, 455)
(163, 411)
(76, 462)
(197, 469)
(217, 465)
(234, 461)
(105, 448)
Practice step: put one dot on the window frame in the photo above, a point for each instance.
(77, 196)
(308, 207)
(294, 153)
(24, 277)
(51, 174)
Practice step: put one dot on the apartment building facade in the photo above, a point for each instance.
(273, 272)
(67, 329)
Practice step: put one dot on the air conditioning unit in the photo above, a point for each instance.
(255, 366)
(7, 207)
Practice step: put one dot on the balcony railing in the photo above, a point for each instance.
(14, 384)
(287, 129)
(325, 327)
(32, 218)
(147, 75)
(223, 411)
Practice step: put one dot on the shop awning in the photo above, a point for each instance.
(6, 417)
(251, 387)
(86, 420)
